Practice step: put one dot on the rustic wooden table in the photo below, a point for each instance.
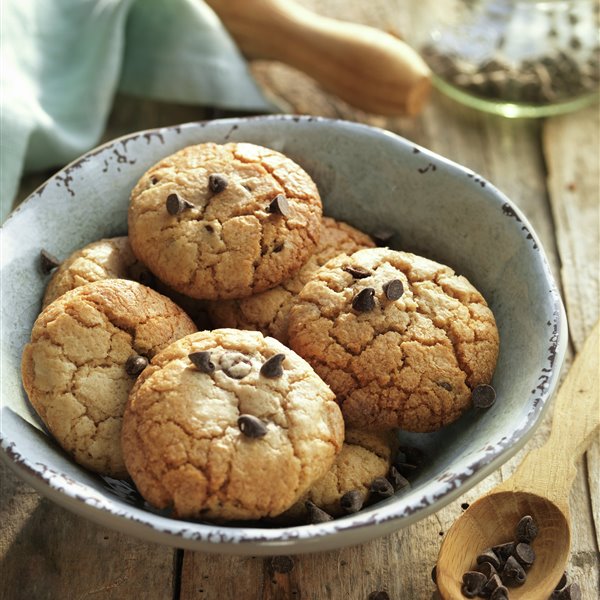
(550, 168)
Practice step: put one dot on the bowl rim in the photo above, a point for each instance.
(113, 513)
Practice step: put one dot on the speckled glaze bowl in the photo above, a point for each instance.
(368, 177)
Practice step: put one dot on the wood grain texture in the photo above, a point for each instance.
(41, 542)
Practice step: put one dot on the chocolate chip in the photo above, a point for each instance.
(464, 506)
(500, 593)
(524, 554)
(235, 365)
(489, 556)
(503, 551)
(176, 205)
(491, 584)
(364, 301)
(209, 228)
(154, 181)
(315, 514)
(445, 385)
(434, 574)
(279, 205)
(487, 569)
(393, 289)
(217, 183)
(483, 396)
(282, 564)
(351, 501)
(397, 479)
(571, 592)
(135, 364)
(382, 237)
(473, 582)
(527, 530)
(513, 573)
(382, 487)
(202, 362)
(357, 272)
(272, 368)
(251, 426)
(278, 248)
(562, 583)
(48, 262)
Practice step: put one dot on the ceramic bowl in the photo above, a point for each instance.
(368, 177)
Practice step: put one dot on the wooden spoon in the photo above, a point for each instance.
(366, 67)
(539, 487)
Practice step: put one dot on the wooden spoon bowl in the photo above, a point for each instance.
(539, 488)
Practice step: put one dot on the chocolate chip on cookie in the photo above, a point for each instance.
(272, 368)
(135, 365)
(217, 182)
(364, 301)
(357, 272)
(393, 289)
(176, 205)
(351, 501)
(251, 426)
(202, 361)
(279, 206)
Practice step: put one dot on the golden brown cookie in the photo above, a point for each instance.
(86, 349)
(401, 340)
(228, 424)
(268, 312)
(224, 221)
(109, 258)
(365, 456)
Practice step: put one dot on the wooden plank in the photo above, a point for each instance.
(48, 553)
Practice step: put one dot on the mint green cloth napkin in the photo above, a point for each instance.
(62, 61)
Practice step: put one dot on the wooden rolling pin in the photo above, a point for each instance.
(366, 67)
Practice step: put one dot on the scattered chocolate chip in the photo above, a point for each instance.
(217, 183)
(382, 487)
(434, 574)
(202, 362)
(176, 205)
(278, 248)
(209, 228)
(316, 514)
(527, 530)
(397, 480)
(393, 289)
(487, 569)
(281, 564)
(235, 365)
(48, 262)
(382, 237)
(489, 556)
(513, 573)
(483, 396)
(500, 593)
(562, 583)
(473, 582)
(154, 180)
(364, 301)
(379, 595)
(357, 272)
(272, 367)
(524, 554)
(251, 426)
(351, 501)
(491, 584)
(135, 364)
(445, 385)
(503, 551)
(279, 205)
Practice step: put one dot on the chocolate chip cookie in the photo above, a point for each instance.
(229, 424)
(109, 258)
(268, 311)
(402, 340)
(224, 221)
(86, 349)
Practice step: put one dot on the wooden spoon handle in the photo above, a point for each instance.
(550, 470)
(368, 68)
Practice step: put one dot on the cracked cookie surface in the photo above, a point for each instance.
(74, 368)
(183, 443)
(402, 346)
(224, 221)
(268, 312)
(365, 456)
(110, 258)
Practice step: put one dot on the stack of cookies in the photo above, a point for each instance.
(240, 356)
